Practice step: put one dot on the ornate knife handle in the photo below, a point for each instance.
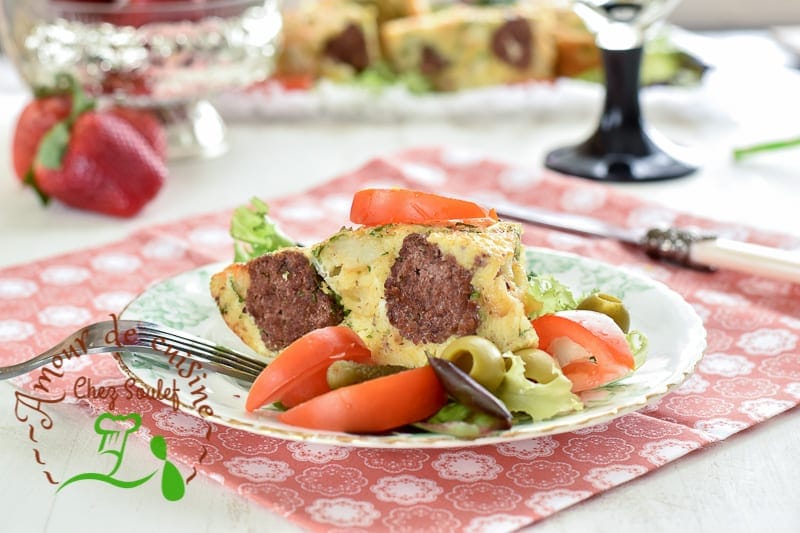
(674, 245)
(708, 252)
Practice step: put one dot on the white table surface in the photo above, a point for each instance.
(745, 483)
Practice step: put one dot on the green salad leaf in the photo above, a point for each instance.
(254, 233)
(539, 400)
(380, 75)
(458, 420)
(548, 295)
(638, 343)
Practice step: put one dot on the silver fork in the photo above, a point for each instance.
(156, 342)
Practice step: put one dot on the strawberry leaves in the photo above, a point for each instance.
(30, 181)
(53, 145)
(49, 155)
(57, 138)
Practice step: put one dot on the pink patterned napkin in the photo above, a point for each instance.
(751, 370)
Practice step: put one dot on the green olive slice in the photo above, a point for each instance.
(608, 305)
(479, 358)
(540, 366)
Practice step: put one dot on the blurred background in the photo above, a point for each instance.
(726, 14)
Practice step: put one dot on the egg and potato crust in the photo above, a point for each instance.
(405, 289)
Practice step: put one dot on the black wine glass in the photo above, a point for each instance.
(620, 149)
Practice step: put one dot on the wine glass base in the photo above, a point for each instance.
(653, 166)
(194, 130)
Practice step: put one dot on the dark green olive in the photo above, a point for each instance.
(343, 373)
(608, 305)
(479, 358)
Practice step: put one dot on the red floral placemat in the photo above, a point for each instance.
(751, 370)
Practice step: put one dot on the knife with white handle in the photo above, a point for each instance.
(701, 251)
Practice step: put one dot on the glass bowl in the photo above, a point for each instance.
(168, 56)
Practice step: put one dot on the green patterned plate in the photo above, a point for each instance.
(675, 332)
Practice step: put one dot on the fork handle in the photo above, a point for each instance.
(16, 370)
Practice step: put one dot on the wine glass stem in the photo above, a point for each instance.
(620, 128)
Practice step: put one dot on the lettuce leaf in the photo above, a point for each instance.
(254, 233)
(638, 343)
(458, 420)
(539, 400)
(547, 295)
(380, 75)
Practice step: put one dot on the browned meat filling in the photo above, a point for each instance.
(432, 62)
(513, 43)
(286, 299)
(428, 294)
(349, 47)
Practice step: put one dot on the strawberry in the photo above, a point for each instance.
(101, 164)
(35, 120)
(148, 126)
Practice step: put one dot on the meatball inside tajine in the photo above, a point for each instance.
(407, 290)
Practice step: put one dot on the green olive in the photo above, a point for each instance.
(608, 305)
(540, 366)
(479, 358)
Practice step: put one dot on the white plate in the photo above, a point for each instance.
(537, 100)
(676, 343)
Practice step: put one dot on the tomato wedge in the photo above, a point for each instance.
(372, 406)
(299, 371)
(589, 346)
(374, 207)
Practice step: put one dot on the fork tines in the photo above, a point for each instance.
(202, 348)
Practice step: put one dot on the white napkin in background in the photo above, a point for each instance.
(789, 39)
(10, 82)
